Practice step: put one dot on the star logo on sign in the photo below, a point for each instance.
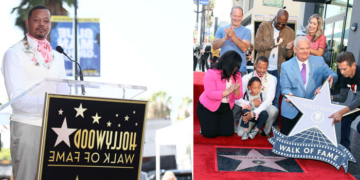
(60, 112)
(96, 118)
(316, 112)
(108, 124)
(80, 111)
(254, 158)
(126, 118)
(63, 133)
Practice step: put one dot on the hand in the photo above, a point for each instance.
(236, 86)
(202, 51)
(317, 91)
(231, 89)
(290, 45)
(246, 117)
(336, 118)
(278, 39)
(288, 100)
(230, 32)
(330, 79)
(249, 108)
(257, 102)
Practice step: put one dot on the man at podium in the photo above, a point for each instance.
(24, 64)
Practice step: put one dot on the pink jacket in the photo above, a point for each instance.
(213, 90)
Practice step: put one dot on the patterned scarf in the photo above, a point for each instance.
(44, 48)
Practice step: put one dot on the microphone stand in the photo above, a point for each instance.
(80, 72)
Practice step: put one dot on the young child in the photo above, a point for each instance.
(254, 86)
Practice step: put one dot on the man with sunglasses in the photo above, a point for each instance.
(274, 40)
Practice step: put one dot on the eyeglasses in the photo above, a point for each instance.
(280, 23)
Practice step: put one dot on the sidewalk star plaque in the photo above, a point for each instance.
(82, 138)
(313, 136)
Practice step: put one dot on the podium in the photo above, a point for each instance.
(98, 135)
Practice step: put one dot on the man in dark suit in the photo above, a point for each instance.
(301, 76)
(205, 51)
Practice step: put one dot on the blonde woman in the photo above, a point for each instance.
(314, 32)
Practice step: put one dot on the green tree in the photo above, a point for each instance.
(158, 105)
(208, 18)
(5, 153)
(55, 7)
(182, 110)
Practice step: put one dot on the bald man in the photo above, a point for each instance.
(274, 40)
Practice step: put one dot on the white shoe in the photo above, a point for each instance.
(253, 134)
(245, 136)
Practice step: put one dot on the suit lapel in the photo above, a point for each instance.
(295, 67)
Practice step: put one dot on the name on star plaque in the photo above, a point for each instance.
(91, 138)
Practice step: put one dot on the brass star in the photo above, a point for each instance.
(116, 115)
(60, 112)
(119, 125)
(136, 124)
(134, 112)
(96, 118)
(108, 124)
(127, 118)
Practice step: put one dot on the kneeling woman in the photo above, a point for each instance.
(222, 86)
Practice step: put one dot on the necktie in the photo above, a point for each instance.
(303, 73)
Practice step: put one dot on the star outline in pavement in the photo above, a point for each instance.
(326, 124)
(80, 111)
(247, 162)
(63, 133)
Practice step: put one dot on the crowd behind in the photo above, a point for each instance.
(242, 89)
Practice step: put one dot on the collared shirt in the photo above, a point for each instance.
(273, 58)
(307, 69)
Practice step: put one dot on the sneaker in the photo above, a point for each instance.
(245, 136)
(253, 134)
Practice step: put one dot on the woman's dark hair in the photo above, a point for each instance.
(253, 79)
(227, 63)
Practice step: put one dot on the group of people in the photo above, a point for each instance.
(204, 54)
(231, 94)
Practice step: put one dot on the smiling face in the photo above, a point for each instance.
(39, 23)
(302, 50)
(236, 17)
(313, 26)
(280, 22)
(261, 68)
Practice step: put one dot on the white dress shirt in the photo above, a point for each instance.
(268, 94)
(307, 70)
(20, 74)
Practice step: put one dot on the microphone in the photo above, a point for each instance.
(61, 51)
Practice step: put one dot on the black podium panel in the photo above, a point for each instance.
(91, 138)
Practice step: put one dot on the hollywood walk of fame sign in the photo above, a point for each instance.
(82, 138)
(313, 136)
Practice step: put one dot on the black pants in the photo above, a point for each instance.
(204, 63)
(218, 123)
(288, 124)
(345, 128)
(195, 62)
(260, 121)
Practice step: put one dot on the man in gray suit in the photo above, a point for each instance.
(301, 76)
